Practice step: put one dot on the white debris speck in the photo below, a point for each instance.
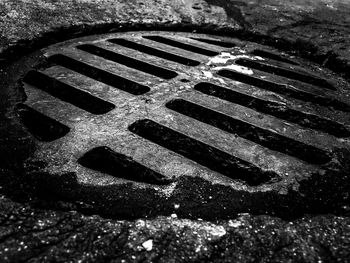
(224, 57)
(331, 6)
(221, 58)
(257, 58)
(148, 245)
(140, 223)
(41, 223)
(176, 206)
(173, 215)
(218, 231)
(234, 223)
(238, 68)
(208, 74)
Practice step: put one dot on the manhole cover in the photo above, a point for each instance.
(147, 123)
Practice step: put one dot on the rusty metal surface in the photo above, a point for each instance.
(253, 152)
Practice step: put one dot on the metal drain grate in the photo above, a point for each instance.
(152, 106)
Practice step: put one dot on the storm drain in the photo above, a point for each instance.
(150, 107)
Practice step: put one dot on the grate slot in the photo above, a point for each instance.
(274, 109)
(41, 126)
(201, 153)
(154, 52)
(99, 75)
(284, 90)
(215, 42)
(269, 55)
(285, 73)
(105, 160)
(181, 45)
(129, 62)
(250, 132)
(65, 92)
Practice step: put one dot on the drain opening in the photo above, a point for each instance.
(274, 109)
(215, 42)
(41, 126)
(269, 55)
(268, 139)
(68, 93)
(287, 158)
(99, 75)
(154, 52)
(181, 45)
(285, 73)
(201, 153)
(284, 90)
(128, 61)
(105, 160)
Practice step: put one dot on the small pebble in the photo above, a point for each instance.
(148, 245)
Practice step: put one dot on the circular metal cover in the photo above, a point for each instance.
(200, 125)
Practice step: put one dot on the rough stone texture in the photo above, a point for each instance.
(37, 235)
(23, 20)
(321, 27)
(324, 23)
(30, 231)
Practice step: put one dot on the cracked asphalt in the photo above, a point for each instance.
(36, 229)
